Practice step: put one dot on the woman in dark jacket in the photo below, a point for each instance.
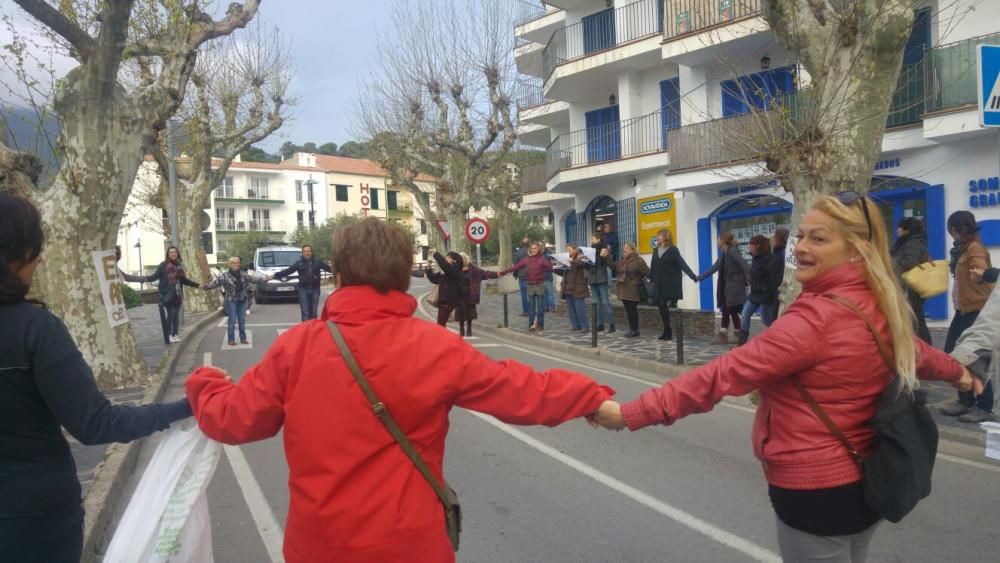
(778, 243)
(598, 278)
(46, 386)
(575, 288)
(631, 269)
(731, 291)
(665, 272)
(449, 282)
(472, 284)
(908, 252)
(171, 276)
(762, 286)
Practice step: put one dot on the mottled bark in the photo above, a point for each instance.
(504, 239)
(189, 218)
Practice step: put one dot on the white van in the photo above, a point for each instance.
(270, 260)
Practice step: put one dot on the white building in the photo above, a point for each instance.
(637, 104)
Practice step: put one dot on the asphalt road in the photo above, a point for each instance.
(691, 492)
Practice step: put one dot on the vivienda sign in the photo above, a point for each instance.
(657, 205)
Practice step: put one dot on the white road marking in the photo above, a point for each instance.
(271, 324)
(208, 359)
(248, 346)
(742, 545)
(478, 345)
(263, 516)
(969, 462)
(222, 323)
(281, 331)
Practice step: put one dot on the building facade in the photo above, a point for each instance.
(646, 110)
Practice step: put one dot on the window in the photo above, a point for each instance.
(225, 189)
(258, 188)
(423, 227)
(298, 191)
(603, 142)
(341, 193)
(260, 219)
(225, 219)
(758, 90)
(300, 218)
(391, 199)
(278, 258)
(670, 104)
(374, 198)
(206, 243)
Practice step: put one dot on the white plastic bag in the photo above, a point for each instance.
(167, 518)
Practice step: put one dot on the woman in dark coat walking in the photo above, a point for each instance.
(631, 269)
(472, 284)
(171, 277)
(575, 288)
(908, 252)
(731, 291)
(449, 282)
(778, 243)
(665, 273)
(598, 278)
(763, 288)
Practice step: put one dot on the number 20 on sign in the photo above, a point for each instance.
(477, 230)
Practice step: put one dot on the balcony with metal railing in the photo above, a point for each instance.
(950, 73)
(715, 142)
(533, 179)
(269, 195)
(643, 135)
(602, 31)
(236, 226)
(685, 17)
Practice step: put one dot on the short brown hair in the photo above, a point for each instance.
(727, 238)
(666, 233)
(763, 243)
(373, 252)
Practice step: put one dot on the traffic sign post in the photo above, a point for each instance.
(477, 231)
(988, 77)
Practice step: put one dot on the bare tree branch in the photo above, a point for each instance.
(50, 17)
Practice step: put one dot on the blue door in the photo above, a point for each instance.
(571, 228)
(603, 142)
(670, 106)
(758, 90)
(599, 31)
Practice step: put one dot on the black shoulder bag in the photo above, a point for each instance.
(897, 474)
(447, 495)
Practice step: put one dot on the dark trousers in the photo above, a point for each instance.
(959, 324)
(731, 313)
(523, 285)
(664, 308)
(444, 313)
(308, 302)
(66, 549)
(170, 317)
(632, 313)
(920, 325)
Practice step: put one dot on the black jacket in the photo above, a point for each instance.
(763, 288)
(307, 270)
(599, 272)
(169, 292)
(449, 281)
(665, 273)
(908, 252)
(46, 386)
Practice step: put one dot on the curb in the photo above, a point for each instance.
(120, 459)
(667, 371)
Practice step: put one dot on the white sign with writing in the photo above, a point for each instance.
(111, 286)
(790, 261)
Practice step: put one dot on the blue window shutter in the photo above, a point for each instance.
(612, 126)
(920, 37)
(599, 31)
(936, 307)
(670, 107)
(732, 101)
(705, 262)
(593, 123)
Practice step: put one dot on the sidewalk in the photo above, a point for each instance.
(145, 321)
(697, 351)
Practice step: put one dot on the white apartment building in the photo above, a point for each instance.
(637, 104)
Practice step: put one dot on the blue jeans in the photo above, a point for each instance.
(577, 312)
(308, 302)
(237, 311)
(536, 309)
(550, 295)
(604, 310)
(749, 308)
(524, 295)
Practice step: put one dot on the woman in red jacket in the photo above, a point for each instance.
(355, 495)
(815, 485)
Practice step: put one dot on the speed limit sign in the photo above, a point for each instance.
(477, 230)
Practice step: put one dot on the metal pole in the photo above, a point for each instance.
(506, 323)
(593, 323)
(138, 244)
(312, 205)
(172, 181)
(679, 336)
(479, 254)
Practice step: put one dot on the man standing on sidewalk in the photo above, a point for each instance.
(520, 254)
(308, 270)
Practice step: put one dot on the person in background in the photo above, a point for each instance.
(449, 282)
(575, 288)
(171, 277)
(237, 285)
(815, 484)
(762, 286)
(535, 266)
(969, 295)
(978, 344)
(665, 273)
(472, 283)
(598, 279)
(355, 497)
(121, 273)
(309, 271)
(46, 386)
(778, 243)
(731, 290)
(909, 251)
(611, 239)
(520, 254)
(550, 286)
(631, 270)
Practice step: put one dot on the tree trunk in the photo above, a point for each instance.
(456, 220)
(503, 238)
(189, 234)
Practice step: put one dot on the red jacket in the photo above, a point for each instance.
(830, 349)
(355, 496)
(534, 268)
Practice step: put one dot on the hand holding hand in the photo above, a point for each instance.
(605, 253)
(977, 273)
(969, 382)
(608, 415)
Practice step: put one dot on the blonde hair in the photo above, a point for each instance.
(632, 246)
(465, 258)
(666, 233)
(889, 296)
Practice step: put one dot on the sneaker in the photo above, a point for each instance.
(977, 415)
(232, 343)
(244, 341)
(954, 409)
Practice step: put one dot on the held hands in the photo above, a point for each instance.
(968, 382)
(608, 415)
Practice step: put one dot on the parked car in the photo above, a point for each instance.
(270, 260)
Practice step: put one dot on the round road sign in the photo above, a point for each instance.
(477, 230)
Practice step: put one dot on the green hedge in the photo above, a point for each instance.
(131, 296)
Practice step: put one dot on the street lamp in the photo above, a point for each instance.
(138, 244)
(312, 205)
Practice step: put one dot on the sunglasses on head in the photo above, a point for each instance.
(848, 198)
